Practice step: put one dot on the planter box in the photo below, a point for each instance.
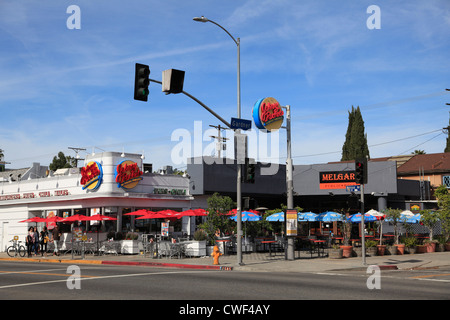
(381, 250)
(335, 253)
(196, 248)
(372, 251)
(447, 246)
(130, 246)
(347, 251)
(391, 250)
(400, 249)
(411, 250)
(421, 249)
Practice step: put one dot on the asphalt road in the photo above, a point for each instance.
(21, 280)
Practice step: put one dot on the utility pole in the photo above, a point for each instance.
(220, 141)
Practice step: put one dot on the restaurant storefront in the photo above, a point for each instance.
(109, 183)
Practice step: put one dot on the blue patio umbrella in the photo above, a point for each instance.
(412, 219)
(307, 216)
(367, 218)
(279, 216)
(247, 216)
(330, 216)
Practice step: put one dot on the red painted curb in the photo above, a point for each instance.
(170, 265)
(393, 267)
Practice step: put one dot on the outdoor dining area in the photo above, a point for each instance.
(319, 234)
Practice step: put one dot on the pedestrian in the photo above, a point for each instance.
(36, 241)
(29, 241)
(44, 241)
(56, 235)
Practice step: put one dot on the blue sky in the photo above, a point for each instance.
(63, 88)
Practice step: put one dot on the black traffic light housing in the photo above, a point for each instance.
(172, 81)
(249, 171)
(141, 82)
(361, 171)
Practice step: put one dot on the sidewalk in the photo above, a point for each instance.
(256, 262)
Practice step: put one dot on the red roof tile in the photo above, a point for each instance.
(435, 162)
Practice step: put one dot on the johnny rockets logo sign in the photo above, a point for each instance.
(128, 174)
(336, 179)
(91, 175)
(267, 114)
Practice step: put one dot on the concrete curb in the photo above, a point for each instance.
(123, 263)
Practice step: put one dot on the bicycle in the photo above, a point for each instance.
(16, 249)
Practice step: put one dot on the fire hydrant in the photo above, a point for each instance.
(216, 254)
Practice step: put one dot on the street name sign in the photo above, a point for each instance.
(243, 124)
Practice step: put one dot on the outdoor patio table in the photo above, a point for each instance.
(270, 242)
(320, 246)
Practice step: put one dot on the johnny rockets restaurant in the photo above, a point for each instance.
(109, 183)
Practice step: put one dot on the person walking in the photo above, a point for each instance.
(44, 241)
(56, 235)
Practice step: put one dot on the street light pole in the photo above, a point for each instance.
(239, 166)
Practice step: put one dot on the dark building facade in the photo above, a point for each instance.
(317, 187)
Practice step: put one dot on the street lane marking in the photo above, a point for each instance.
(47, 274)
(105, 277)
(431, 275)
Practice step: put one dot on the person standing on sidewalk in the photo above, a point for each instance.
(44, 241)
(29, 241)
(36, 241)
(56, 234)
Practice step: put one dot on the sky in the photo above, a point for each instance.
(63, 87)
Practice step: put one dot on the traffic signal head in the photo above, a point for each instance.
(249, 171)
(361, 171)
(141, 82)
(172, 81)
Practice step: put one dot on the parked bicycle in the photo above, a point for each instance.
(16, 249)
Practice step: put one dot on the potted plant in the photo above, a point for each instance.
(371, 246)
(347, 249)
(430, 218)
(410, 244)
(440, 244)
(335, 252)
(197, 247)
(131, 244)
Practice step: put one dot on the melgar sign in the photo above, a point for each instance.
(128, 174)
(336, 179)
(267, 114)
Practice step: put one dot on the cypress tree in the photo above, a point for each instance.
(355, 145)
(447, 147)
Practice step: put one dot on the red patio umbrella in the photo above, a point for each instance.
(34, 219)
(154, 215)
(192, 213)
(139, 212)
(54, 219)
(76, 217)
(100, 217)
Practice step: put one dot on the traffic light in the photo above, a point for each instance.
(361, 171)
(249, 171)
(172, 81)
(141, 82)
